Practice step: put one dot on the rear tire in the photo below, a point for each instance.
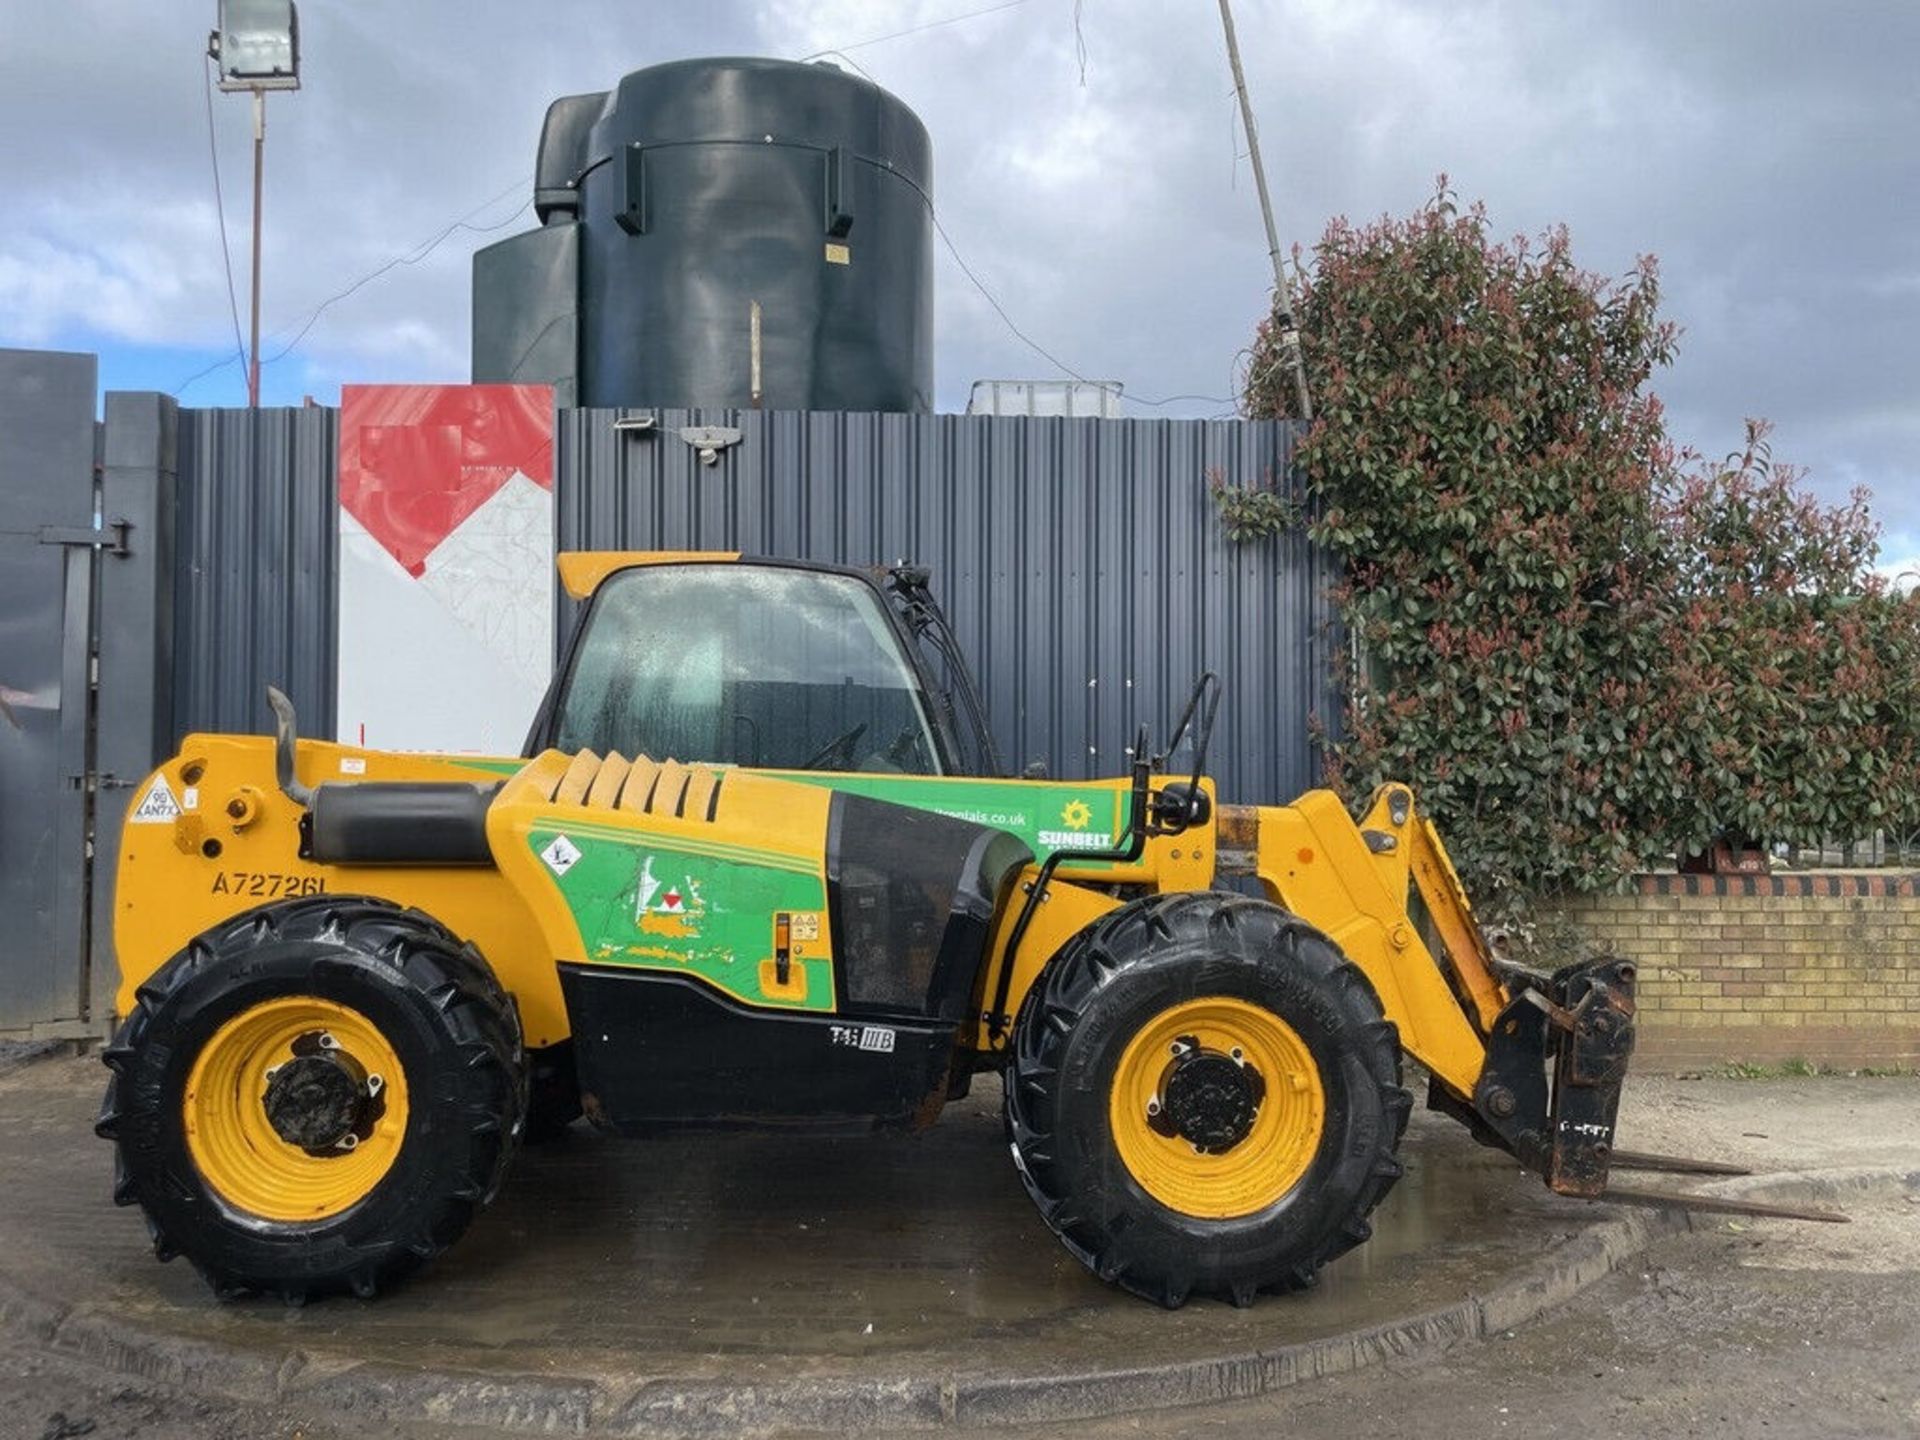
(1292, 1108)
(387, 1166)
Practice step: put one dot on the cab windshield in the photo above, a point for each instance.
(745, 665)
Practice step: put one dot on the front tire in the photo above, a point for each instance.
(1204, 1098)
(314, 1097)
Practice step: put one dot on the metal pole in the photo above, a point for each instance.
(259, 155)
(1282, 292)
(753, 348)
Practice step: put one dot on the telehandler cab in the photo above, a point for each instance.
(354, 981)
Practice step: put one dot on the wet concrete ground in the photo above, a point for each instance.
(737, 1256)
(1741, 1328)
(1714, 1336)
(1736, 1331)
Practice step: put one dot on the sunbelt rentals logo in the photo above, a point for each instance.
(1075, 818)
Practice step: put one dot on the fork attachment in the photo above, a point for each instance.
(1581, 1018)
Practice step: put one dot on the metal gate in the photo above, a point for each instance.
(85, 604)
(47, 499)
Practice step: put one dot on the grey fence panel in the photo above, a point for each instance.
(1081, 561)
(47, 576)
(256, 545)
(133, 624)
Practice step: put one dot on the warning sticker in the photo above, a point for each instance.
(560, 855)
(159, 807)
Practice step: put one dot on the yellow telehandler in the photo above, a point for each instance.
(354, 981)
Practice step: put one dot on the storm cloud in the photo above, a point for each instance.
(1765, 151)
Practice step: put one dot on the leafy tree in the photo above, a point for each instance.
(1793, 694)
(1586, 650)
(1484, 462)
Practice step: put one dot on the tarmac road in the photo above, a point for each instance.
(1741, 1328)
(1723, 1335)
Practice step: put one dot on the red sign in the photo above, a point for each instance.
(417, 460)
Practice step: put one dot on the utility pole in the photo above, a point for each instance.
(1282, 291)
(257, 49)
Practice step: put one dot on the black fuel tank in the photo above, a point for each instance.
(700, 189)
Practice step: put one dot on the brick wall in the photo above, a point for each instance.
(1821, 967)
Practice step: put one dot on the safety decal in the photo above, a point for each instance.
(561, 855)
(662, 907)
(159, 807)
(641, 901)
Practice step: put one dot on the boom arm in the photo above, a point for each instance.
(1487, 1031)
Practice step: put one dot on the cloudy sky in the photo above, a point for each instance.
(1768, 151)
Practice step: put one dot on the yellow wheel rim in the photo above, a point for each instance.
(1270, 1151)
(238, 1152)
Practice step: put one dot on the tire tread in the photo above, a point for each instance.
(422, 955)
(1069, 989)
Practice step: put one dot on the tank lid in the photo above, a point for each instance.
(752, 98)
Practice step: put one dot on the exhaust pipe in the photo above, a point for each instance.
(285, 736)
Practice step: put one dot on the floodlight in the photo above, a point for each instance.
(257, 46)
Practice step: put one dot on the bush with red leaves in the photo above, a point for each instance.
(1585, 650)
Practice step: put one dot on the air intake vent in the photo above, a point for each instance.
(643, 786)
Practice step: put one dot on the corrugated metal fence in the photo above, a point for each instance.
(1081, 561)
(255, 584)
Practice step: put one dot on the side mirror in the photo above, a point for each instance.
(1180, 806)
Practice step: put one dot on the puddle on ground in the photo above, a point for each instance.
(729, 1253)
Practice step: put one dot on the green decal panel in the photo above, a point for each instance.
(507, 768)
(1049, 815)
(689, 908)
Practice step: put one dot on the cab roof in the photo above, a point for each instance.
(582, 571)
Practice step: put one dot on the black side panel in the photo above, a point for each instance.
(564, 141)
(657, 1050)
(912, 896)
(400, 822)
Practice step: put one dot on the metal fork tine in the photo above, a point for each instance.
(1715, 1205)
(1672, 1164)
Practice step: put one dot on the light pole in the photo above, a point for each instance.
(1282, 291)
(257, 49)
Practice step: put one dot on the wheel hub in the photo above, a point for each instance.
(295, 1109)
(1208, 1098)
(321, 1100)
(1216, 1107)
